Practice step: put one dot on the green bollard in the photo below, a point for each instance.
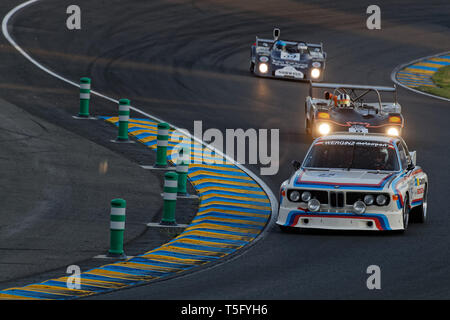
(170, 198)
(117, 227)
(85, 96)
(182, 171)
(161, 146)
(124, 118)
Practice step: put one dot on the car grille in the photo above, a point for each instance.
(337, 199)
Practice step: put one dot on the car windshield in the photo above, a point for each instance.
(290, 47)
(352, 154)
(286, 48)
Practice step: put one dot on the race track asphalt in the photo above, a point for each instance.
(188, 60)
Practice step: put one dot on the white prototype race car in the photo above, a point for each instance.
(351, 181)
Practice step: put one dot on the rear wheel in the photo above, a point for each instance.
(419, 214)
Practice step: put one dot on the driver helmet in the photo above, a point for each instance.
(281, 45)
(382, 158)
(343, 100)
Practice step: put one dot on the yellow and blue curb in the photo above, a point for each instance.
(419, 72)
(233, 211)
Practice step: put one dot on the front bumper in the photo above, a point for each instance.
(299, 218)
(288, 73)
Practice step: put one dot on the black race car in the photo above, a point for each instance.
(296, 60)
(352, 108)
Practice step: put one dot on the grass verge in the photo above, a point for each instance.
(442, 79)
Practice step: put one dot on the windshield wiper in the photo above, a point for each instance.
(317, 169)
(378, 171)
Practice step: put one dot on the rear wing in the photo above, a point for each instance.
(351, 87)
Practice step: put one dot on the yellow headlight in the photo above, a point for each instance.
(395, 119)
(323, 115)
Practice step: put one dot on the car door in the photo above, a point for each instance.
(405, 160)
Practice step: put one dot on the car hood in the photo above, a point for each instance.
(342, 179)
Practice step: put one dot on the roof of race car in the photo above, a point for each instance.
(359, 136)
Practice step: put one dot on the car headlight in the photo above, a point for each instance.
(315, 73)
(313, 205)
(393, 132)
(359, 207)
(294, 196)
(306, 196)
(324, 128)
(263, 67)
(381, 199)
(369, 199)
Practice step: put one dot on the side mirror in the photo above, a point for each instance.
(296, 164)
(276, 33)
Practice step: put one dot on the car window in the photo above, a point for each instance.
(402, 155)
(350, 154)
(408, 156)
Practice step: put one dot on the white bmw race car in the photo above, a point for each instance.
(351, 181)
